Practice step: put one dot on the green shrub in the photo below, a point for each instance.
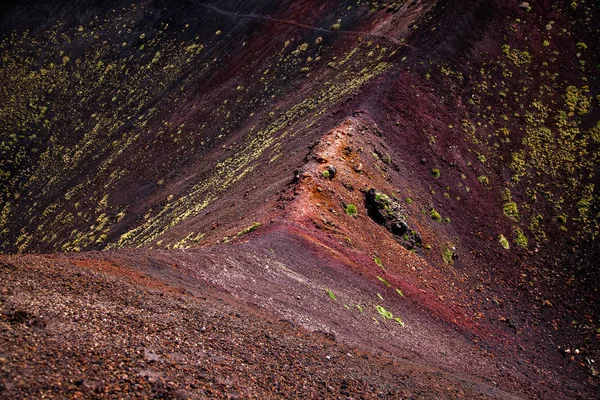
(384, 313)
(520, 238)
(511, 210)
(330, 293)
(351, 210)
(382, 198)
(377, 261)
(504, 242)
(448, 255)
(249, 229)
(383, 280)
(435, 215)
(435, 173)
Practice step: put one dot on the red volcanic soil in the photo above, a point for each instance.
(308, 199)
(141, 325)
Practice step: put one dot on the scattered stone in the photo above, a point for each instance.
(296, 177)
(332, 171)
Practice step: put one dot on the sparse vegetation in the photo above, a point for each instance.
(382, 198)
(520, 239)
(435, 215)
(448, 254)
(504, 242)
(511, 210)
(384, 313)
(518, 57)
(351, 210)
(383, 280)
(331, 294)
(110, 137)
(483, 180)
(387, 315)
(249, 229)
(378, 263)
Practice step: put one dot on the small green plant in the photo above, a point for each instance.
(409, 201)
(399, 292)
(380, 296)
(385, 314)
(330, 293)
(377, 261)
(382, 198)
(383, 280)
(435, 173)
(249, 229)
(325, 174)
(520, 238)
(483, 180)
(511, 210)
(351, 210)
(435, 215)
(504, 242)
(448, 255)
(518, 57)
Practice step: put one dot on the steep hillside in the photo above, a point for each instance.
(126, 126)
(414, 179)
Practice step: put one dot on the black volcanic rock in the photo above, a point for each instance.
(387, 211)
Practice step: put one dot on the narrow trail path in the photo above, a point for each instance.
(300, 25)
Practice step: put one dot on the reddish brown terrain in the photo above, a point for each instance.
(300, 199)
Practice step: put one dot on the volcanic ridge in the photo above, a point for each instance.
(300, 199)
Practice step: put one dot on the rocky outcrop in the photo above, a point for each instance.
(388, 212)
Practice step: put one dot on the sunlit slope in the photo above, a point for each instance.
(122, 124)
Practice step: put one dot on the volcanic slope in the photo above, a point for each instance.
(307, 199)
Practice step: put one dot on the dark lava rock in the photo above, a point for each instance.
(332, 171)
(388, 212)
(296, 177)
